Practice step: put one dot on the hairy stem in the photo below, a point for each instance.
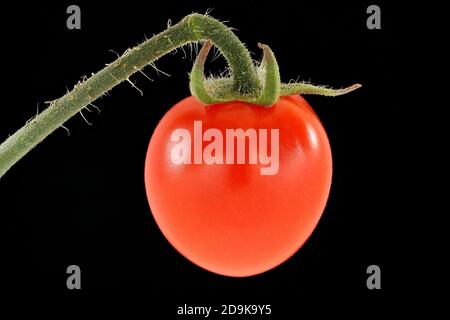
(192, 28)
(307, 88)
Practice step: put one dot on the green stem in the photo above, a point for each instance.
(192, 28)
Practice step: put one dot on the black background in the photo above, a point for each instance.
(80, 199)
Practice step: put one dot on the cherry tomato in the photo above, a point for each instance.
(228, 216)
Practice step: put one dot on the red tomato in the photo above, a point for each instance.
(230, 218)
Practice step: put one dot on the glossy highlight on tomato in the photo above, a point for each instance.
(229, 218)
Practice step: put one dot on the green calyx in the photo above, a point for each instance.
(219, 90)
(266, 93)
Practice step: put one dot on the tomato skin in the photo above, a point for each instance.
(230, 219)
